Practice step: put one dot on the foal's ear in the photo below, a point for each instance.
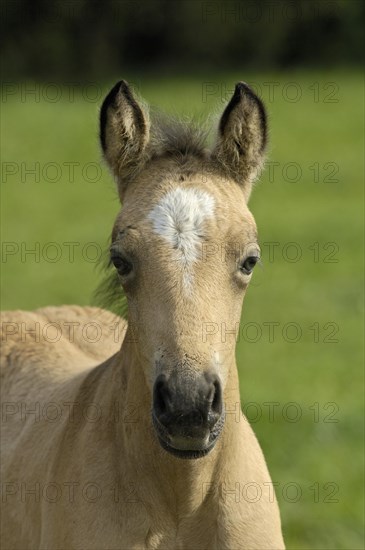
(242, 137)
(124, 132)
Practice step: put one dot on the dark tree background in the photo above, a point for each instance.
(97, 39)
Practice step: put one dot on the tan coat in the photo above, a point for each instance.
(82, 467)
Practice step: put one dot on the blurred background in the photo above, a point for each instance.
(300, 350)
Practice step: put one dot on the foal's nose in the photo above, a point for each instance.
(188, 407)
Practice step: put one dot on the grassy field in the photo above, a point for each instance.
(300, 353)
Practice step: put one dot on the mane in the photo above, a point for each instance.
(109, 293)
(177, 137)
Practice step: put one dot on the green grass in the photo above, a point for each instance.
(321, 377)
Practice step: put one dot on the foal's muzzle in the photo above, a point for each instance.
(188, 413)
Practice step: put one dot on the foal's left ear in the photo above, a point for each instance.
(242, 137)
(124, 133)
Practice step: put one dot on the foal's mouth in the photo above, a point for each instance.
(185, 445)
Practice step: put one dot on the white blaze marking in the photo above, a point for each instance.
(179, 218)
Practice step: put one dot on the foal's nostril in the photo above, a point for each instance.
(161, 396)
(217, 403)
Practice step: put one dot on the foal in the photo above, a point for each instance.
(145, 446)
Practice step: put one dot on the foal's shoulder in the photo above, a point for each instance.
(56, 332)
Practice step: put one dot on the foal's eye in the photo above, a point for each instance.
(123, 266)
(248, 264)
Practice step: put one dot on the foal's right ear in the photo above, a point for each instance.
(124, 133)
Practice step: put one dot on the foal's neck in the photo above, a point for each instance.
(183, 482)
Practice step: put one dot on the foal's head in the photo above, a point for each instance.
(184, 246)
